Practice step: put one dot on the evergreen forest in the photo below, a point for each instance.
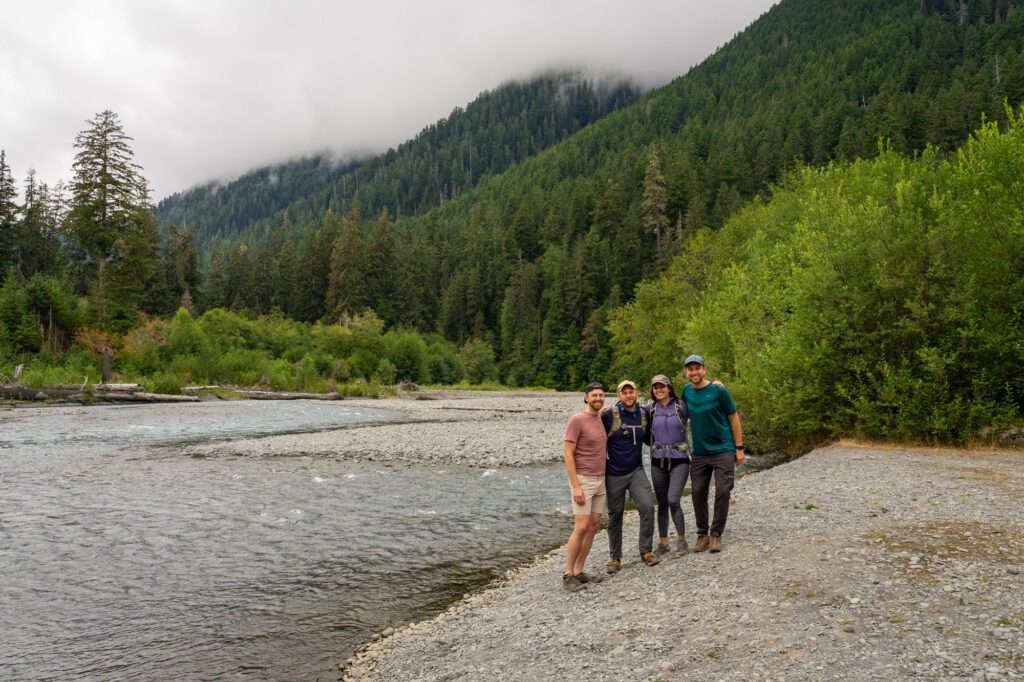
(827, 208)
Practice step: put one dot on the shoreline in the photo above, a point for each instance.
(860, 562)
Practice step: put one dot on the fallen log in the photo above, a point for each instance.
(261, 395)
(189, 390)
(16, 392)
(105, 388)
(118, 388)
(145, 398)
(28, 393)
(274, 395)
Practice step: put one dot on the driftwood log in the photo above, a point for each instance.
(262, 395)
(104, 388)
(75, 393)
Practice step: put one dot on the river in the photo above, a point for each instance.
(122, 557)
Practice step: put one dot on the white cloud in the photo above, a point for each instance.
(211, 89)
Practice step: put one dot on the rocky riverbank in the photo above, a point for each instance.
(849, 563)
(482, 429)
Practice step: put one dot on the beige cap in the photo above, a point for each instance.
(624, 383)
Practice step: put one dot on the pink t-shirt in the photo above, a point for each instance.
(587, 431)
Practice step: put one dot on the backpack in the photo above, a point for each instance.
(681, 412)
(617, 419)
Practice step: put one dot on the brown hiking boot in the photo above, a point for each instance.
(589, 578)
(702, 544)
(716, 543)
(572, 584)
(613, 566)
(649, 559)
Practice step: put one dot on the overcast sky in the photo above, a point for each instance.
(211, 89)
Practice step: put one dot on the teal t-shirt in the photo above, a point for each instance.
(710, 408)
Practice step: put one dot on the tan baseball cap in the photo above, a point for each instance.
(624, 383)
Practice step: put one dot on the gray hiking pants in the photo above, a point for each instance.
(640, 491)
(668, 487)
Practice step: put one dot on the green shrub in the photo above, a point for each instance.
(408, 353)
(185, 336)
(164, 383)
(477, 358)
(385, 373)
(443, 364)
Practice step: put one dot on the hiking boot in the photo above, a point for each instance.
(682, 548)
(662, 548)
(716, 543)
(589, 578)
(571, 583)
(613, 566)
(702, 543)
(649, 559)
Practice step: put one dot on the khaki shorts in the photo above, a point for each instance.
(594, 496)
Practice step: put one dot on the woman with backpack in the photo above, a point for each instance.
(670, 460)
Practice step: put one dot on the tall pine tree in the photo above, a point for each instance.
(8, 214)
(111, 219)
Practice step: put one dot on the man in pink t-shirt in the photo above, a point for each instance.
(585, 443)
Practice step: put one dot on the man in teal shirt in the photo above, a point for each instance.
(717, 449)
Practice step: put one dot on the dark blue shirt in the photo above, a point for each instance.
(625, 446)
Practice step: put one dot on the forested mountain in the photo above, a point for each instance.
(532, 260)
(497, 130)
(217, 208)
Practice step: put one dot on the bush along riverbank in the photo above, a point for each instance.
(848, 563)
(269, 353)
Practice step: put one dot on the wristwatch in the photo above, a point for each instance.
(739, 447)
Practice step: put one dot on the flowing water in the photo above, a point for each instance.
(121, 557)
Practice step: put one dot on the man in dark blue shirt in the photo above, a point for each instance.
(627, 424)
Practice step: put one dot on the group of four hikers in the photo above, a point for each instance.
(604, 460)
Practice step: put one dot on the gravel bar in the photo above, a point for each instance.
(850, 563)
(482, 429)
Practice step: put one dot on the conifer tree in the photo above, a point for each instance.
(8, 214)
(315, 269)
(215, 290)
(346, 291)
(182, 267)
(111, 219)
(382, 268)
(238, 291)
(284, 276)
(653, 208)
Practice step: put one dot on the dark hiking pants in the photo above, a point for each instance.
(668, 488)
(701, 469)
(639, 489)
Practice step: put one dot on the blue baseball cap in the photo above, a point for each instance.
(694, 358)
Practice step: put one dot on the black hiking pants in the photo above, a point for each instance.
(723, 467)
